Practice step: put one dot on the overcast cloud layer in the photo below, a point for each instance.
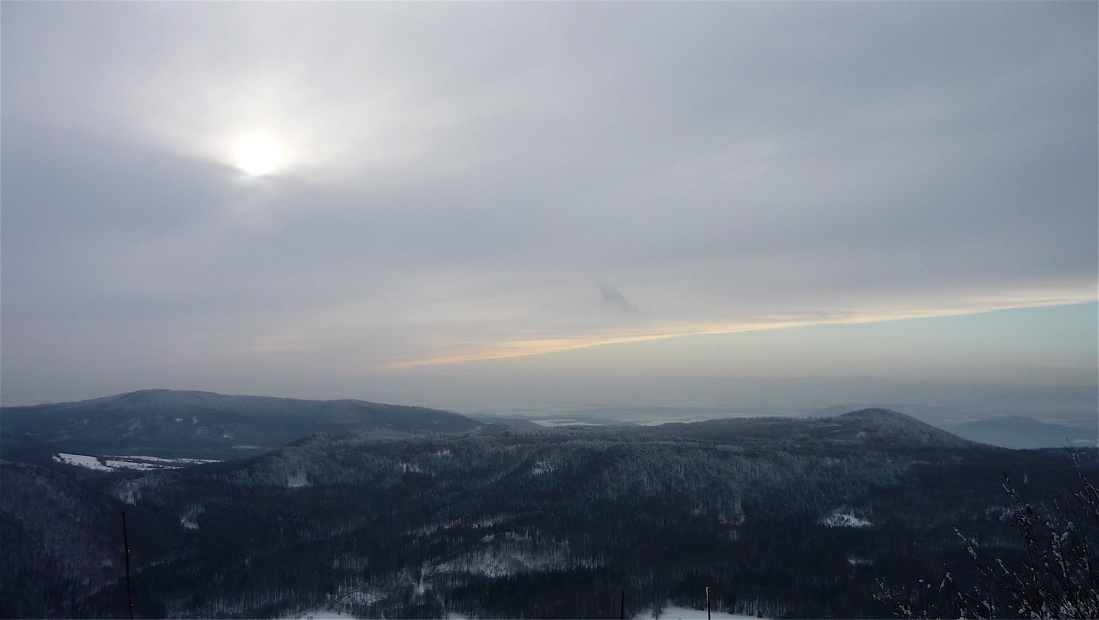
(469, 181)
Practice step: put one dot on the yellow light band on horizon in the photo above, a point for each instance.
(526, 348)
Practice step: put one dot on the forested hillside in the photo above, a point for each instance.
(170, 423)
(779, 517)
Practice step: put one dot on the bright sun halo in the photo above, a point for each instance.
(257, 154)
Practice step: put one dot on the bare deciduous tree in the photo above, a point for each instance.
(1058, 577)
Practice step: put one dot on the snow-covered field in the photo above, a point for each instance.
(682, 613)
(669, 613)
(117, 464)
(844, 519)
(112, 463)
(80, 460)
(320, 614)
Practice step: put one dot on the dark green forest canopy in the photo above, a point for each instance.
(780, 517)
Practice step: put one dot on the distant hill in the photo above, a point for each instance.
(1074, 429)
(865, 428)
(169, 423)
(1020, 432)
(942, 417)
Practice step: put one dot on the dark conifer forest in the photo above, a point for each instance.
(858, 515)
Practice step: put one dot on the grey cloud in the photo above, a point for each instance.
(612, 297)
(465, 168)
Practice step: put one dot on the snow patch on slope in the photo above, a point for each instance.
(81, 460)
(136, 462)
(683, 613)
(840, 518)
(297, 480)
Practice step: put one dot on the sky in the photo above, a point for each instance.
(378, 200)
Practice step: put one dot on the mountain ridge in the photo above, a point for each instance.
(201, 424)
(552, 522)
(887, 428)
(198, 424)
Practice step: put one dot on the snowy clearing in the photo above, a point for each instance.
(319, 614)
(669, 613)
(117, 464)
(682, 613)
(80, 460)
(844, 519)
(141, 463)
(170, 461)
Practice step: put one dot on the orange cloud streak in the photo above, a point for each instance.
(525, 348)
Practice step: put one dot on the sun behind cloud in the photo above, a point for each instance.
(257, 154)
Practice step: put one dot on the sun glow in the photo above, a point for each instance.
(257, 155)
